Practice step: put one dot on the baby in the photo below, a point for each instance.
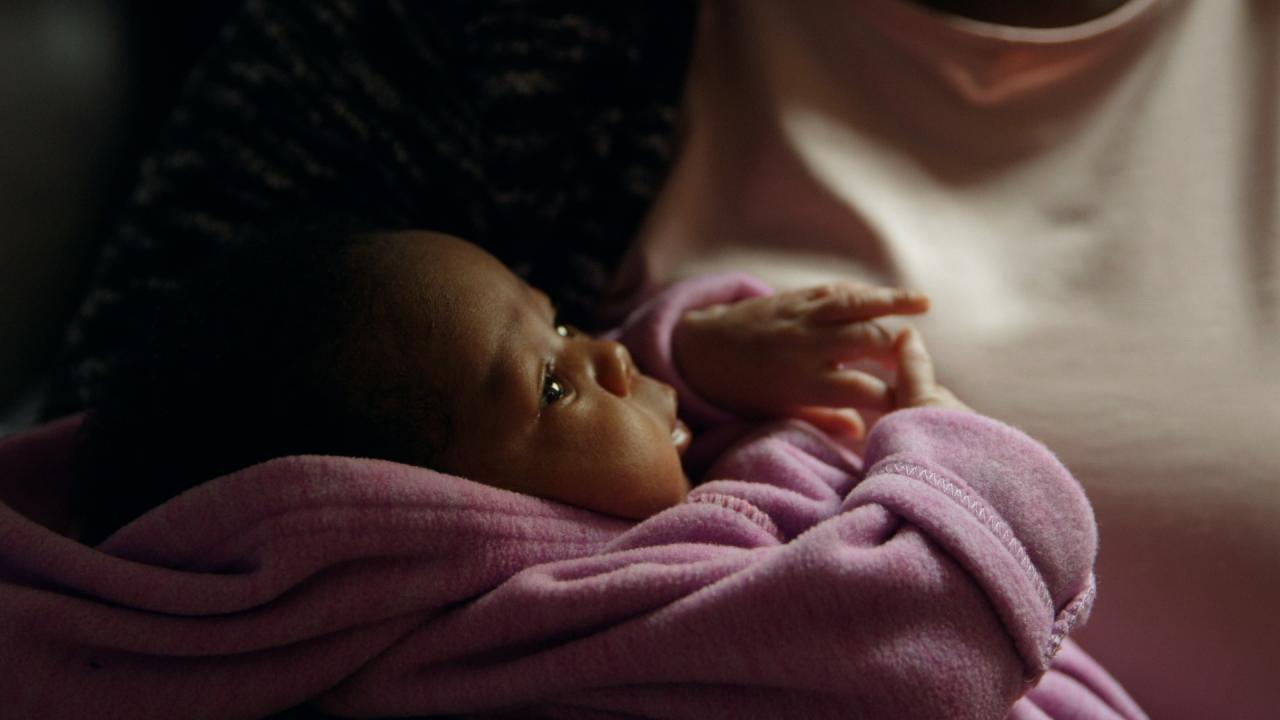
(540, 408)
(420, 347)
(936, 575)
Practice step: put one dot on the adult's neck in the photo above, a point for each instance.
(1027, 13)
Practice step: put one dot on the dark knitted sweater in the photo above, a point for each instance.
(539, 130)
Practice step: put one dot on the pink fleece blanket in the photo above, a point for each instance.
(376, 588)
(937, 576)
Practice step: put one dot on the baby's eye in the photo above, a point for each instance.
(567, 331)
(552, 389)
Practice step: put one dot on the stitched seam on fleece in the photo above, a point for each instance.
(980, 510)
(1068, 618)
(742, 507)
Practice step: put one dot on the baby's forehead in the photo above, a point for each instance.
(437, 296)
(436, 260)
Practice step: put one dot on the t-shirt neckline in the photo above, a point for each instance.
(903, 17)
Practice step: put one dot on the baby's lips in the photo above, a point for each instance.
(681, 437)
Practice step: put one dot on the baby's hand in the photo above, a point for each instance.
(915, 386)
(783, 354)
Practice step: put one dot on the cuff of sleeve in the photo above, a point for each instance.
(648, 330)
(1002, 506)
(952, 515)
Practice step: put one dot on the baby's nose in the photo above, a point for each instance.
(613, 367)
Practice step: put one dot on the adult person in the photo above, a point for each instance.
(1093, 200)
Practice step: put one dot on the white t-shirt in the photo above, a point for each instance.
(1095, 212)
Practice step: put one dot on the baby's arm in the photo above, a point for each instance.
(733, 348)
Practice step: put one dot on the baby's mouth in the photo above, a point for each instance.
(680, 436)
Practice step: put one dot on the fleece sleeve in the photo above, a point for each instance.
(938, 585)
(647, 333)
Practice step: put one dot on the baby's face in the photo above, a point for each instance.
(537, 408)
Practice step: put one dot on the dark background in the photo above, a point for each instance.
(84, 87)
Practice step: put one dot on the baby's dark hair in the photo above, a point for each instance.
(268, 351)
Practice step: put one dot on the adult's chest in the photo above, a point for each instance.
(1104, 264)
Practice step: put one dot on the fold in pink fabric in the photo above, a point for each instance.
(938, 575)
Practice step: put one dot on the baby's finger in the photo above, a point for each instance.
(915, 367)
(858, 341)
(842, 387)
(844, 422)
(840, 303)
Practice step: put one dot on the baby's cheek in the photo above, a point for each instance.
(667, 487)
(646, 489)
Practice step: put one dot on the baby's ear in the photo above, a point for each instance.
(414, 425)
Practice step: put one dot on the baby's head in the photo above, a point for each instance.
(532, 405)
(410, 346)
